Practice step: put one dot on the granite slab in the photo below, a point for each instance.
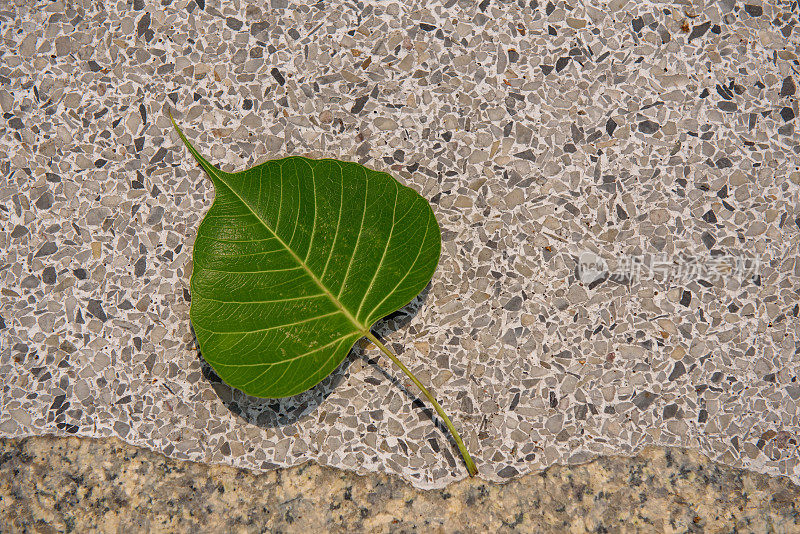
(50, 484)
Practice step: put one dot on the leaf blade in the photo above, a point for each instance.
(285, 232)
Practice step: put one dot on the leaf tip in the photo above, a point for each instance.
(174, 124)
(180, 133)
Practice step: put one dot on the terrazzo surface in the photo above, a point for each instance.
(617, 186)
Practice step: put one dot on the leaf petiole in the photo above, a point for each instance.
(459, 442)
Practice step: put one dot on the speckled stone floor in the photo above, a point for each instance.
(52, 484)
(617, 184)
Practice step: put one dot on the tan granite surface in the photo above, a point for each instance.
(50, 484)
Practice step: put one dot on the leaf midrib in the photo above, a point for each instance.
(359, 327)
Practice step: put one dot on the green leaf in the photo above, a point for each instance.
(294, 262)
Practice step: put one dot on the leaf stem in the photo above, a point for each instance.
(461, 447)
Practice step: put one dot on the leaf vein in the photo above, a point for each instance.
(358, 238)
(281, 362)
(304, 297)
(385, 249)
(338, 223)
(276, 327)
(411, 267)
(251, 272)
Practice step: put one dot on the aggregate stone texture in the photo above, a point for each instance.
(50, 484)
(543, 134)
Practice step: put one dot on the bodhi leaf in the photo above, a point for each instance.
(295, 261)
